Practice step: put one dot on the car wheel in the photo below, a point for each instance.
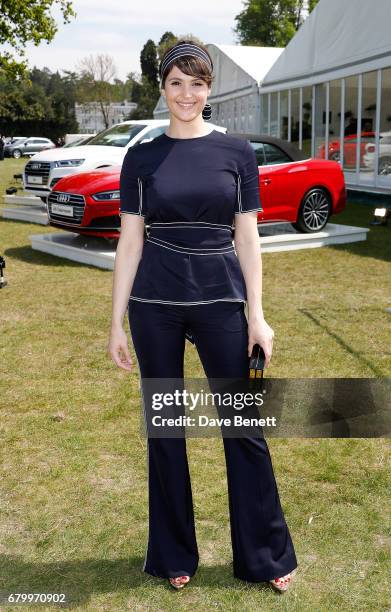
(17, 153)
(314, 211)
(385, 166)
(336, 156)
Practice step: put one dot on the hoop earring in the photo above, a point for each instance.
(207, 112)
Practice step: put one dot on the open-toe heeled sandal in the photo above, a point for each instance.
(282, 584)
(179, 581)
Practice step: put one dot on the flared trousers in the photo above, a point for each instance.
(261, 543)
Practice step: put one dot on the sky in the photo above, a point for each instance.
(120, 28)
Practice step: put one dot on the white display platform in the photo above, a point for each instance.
(98, 252)
(36, 214)
(22, 199)
(25, 208)
(283, 237)
(84, 249)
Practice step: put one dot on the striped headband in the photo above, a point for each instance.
(184, 49)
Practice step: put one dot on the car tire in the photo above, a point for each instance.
(16, 153)
(314, 211)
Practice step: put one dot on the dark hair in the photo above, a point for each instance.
(188, 64)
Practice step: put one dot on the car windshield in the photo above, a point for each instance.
(117, 136)
(78, 142)
(73, 143)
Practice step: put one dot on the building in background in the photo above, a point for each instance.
(90, 119)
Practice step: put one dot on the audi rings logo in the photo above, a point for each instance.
(35, 166)
(63, 197)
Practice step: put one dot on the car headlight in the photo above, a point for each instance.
(106, 195)
(68, 163)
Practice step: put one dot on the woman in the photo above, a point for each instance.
(191, 186)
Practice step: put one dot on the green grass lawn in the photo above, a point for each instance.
(73, 512)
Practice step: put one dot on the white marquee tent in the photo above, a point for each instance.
(330, 90)
(339, 36)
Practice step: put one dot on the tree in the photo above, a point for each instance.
(42, 104)
(147, 99)
(166, 41)
(271, 23)
(148, 92)
(94, 83)
(23, 21)
(122, 90)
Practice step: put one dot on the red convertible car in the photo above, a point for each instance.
(349, 149)
(293, 188)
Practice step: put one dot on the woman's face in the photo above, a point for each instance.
(185, 95)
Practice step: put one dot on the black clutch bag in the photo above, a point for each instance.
(256, 363)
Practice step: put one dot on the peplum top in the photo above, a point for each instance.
(189, 191)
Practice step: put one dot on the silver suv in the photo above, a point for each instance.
(27, 146)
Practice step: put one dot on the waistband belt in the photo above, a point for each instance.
(193, 237)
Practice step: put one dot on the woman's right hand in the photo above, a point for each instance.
(118, 348)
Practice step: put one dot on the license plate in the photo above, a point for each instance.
(62, 209)
(35, 179)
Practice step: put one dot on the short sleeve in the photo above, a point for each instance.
(131, 187)
(248, 196)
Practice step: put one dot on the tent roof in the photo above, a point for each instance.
(337, 34)
(255, 61)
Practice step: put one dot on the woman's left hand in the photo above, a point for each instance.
(259, 332)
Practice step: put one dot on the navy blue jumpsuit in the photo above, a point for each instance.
(189, 284)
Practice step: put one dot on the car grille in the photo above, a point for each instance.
(35, 168)
(76, 201)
